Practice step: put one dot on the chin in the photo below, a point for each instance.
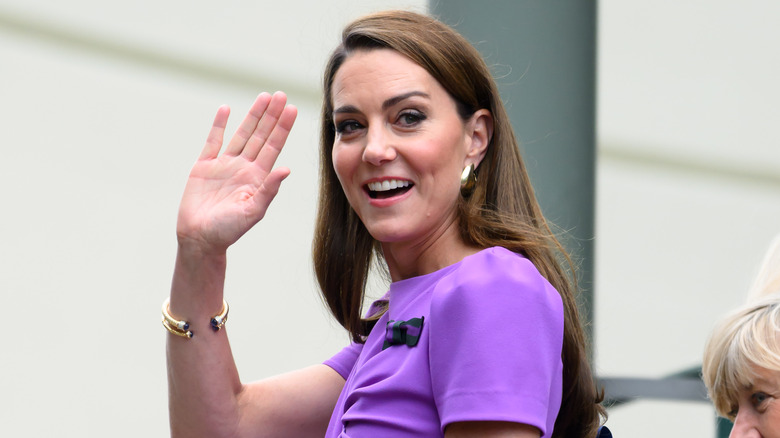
(385, 235)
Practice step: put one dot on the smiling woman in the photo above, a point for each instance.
(478, 335)
(399, 151)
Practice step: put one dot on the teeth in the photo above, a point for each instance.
(383, 186)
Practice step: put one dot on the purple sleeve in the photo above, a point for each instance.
(496, 334)
(345, 359)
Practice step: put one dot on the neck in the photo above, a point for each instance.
(407, 260)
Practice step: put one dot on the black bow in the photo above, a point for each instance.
(403, 332)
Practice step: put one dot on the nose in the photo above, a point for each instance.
(745, 425)
(378, 148)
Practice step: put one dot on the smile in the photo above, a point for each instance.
(388, 188)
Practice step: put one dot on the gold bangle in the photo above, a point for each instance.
(182, 328)
(179, 328)
(175, 331)
(219, 320)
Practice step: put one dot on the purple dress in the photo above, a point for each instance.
(479, 340)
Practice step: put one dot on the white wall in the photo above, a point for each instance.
(105, 105)
(688, 185)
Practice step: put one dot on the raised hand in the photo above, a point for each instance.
(227, 194)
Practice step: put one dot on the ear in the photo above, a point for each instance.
(479, 132)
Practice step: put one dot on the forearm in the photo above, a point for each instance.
(203, 383)
(226, 194)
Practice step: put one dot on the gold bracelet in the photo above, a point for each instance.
(175, 331)
(182, 328)
(218, 321)
(178, 328)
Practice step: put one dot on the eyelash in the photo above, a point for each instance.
(351, 125)
(754, 398)
(342, 127)
(416, 115)
(757, 399)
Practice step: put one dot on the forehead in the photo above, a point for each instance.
(753, 378)
(765, 377)
(380, 74)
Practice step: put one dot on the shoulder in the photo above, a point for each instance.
(495, 340)
(497, 277)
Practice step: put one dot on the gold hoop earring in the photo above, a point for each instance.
(468, 181)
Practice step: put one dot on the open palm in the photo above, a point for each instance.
(227, 194)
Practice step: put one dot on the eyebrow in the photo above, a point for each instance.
(385, 105)
(401, 97)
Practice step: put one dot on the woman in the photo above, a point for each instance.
(479, 333)
(741, 366)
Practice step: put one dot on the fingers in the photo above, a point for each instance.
(216, 134)
(273, 145)
(248, 125)
(267, 125)
(262, 133)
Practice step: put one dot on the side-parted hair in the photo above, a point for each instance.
(747, 338)
(502, 210)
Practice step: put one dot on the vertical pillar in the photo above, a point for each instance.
(542, 54)
(723, 428)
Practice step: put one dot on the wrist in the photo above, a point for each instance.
(194, 250)
(198, 279)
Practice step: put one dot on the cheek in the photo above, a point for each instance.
(340, 159)
(450, 149)
(345, 164)
(445, 160)
(774, 415)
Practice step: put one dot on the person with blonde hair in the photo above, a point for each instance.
(741, 366)
(479, 334)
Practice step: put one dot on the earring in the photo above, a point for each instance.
(468, 180)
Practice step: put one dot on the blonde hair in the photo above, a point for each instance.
(768, 279)
(745, 339)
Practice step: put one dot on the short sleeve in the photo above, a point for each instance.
(496, 334)
(343, 361)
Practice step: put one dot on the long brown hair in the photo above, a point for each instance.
(502, 210)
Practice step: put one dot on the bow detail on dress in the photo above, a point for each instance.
(403, 332)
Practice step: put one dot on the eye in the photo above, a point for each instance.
(347, 127)
(410, 118)
(758, 399)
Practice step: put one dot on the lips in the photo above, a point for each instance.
(387, 188)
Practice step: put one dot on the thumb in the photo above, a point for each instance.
(267, 192)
